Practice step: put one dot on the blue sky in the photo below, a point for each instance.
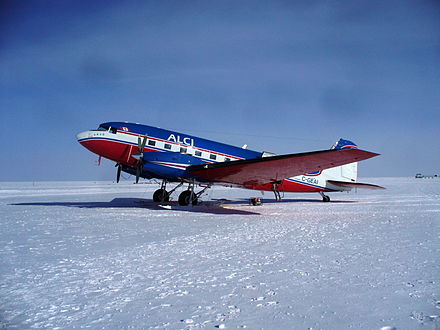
(281, 76)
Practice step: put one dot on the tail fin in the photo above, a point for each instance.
(344, 144)
(347, 172)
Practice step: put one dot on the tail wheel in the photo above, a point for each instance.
(325, 198)
(185, 198)
(161, 195)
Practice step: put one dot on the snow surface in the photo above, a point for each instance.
(101, 255)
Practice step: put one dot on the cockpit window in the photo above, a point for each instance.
(107, 128)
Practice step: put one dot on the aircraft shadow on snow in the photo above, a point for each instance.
(144, 204)
(204, 207)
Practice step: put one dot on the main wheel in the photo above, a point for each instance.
(161, 195)
(185, 196)
(326, 198)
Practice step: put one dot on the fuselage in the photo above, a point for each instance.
(169, 153)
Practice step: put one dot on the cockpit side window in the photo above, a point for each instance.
(112, 130)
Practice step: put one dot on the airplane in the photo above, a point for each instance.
(172, 157)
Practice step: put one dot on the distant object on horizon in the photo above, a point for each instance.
(151, 152)
(421, 176)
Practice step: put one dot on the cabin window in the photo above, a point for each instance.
(212, 156)
(151, 143)
(227, 159)
(198, 153)
(183, 150)
(167, 146)
(112, 130)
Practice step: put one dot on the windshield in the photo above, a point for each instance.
(106, 128)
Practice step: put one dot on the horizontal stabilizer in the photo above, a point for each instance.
(354, 185)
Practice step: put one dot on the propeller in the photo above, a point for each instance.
(118, 173)
(138, 156)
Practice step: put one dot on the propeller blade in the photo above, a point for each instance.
(99, 160)
(138, 172)
(142, 143)
(138, 156)
(118, 174)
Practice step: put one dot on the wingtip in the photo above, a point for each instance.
(370, 153)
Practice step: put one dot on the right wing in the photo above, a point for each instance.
(257, 171)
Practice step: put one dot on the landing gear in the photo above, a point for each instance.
(325, 198)
(161, 195)
(276, 191)
(187, 197)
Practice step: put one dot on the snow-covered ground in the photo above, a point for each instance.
(101, 255)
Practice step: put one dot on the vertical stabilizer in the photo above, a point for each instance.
(347, 172)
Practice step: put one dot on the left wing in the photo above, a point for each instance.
(256, 171)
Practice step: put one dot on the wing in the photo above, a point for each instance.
(256, 171)
(355, 185)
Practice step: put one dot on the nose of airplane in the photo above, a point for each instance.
(81, 136)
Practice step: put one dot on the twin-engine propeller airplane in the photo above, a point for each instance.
(151, 152)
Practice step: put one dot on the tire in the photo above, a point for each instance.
(184, 198)
(161, 195)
